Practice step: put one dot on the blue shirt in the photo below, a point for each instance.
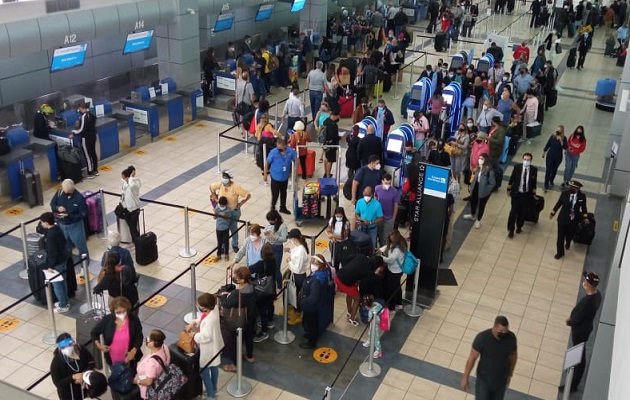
(280, 165)
(369, 211)
(223, 223)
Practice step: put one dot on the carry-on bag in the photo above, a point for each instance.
(31, 185)
(146, 245)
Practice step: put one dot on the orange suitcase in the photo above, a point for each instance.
(310, 164)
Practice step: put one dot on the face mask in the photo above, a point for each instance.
(221, 208)
(481, 161)
(314, 267)
(339, 219)
(225, 181)
(558, 133)
(380, 108)
(253, 237)
(121, 315)
(504, 79)
(386, 187)
(485, 107)
(527, 163)
(67, 351)
(367, 198)
(502, 335)
(451, 75)
(470, 125)
(377, 167)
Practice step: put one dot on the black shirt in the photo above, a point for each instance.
(355, 270)
(440, 158)
(494, 362)
(582, 315)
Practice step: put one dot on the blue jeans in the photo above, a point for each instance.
(236, 215)
(373, 232)
(483, 391)
(75, 236)
(316, 97)
(210, 378)
(278, 251)
(570, 165)
(61, 288)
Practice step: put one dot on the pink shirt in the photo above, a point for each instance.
(149, 367)
(476, 150)
(120, 344)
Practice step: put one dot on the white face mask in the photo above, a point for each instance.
(314, 267)
(485, 107)
(253, 237)
(377, 167)
(386, 187)
(121, 315)
(339, 219)
(367, 198)
(481, 161)
(470, 125)
(527, 163)
(67, 351)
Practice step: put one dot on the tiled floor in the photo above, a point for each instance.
(515, 277)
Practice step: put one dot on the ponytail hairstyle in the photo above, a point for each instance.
(302, 240)
(274, 215)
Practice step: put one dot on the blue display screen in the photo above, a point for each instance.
(224, 22)
(436, 181)
(138, 42)
(264, 12)
(298, 5)
(68, 57)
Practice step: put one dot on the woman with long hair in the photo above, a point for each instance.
(264, 301)
(118, 279)
(130, 199)
(482, 185)
(266, 134)
(576, 144)
(276, 235)
(393, 254)
(298, 262)
(556, 144)
(318, 123)
(462, 142)
(244, 289)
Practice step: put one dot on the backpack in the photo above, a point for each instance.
(168, 383)
(120, 379)
(274, 63)
(371, 75)
(410, 263)
(384, 323)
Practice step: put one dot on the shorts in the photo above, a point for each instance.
(308, 57)
(331, 155)
(352, 291)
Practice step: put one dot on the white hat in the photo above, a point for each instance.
(298, 126)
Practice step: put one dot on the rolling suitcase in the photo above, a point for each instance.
(35, 272)
(34, 242)
(310, 164)
(189, 364)
(498, 176)
(605, 87)
(585, 233)
(70, 163)
(146, 246)
(552, 98)
(362, 241)
(441, 41)
(346, 106)
(404, 103)
(31, 185)
(535, 207)
(454, 33)
(572, 58)
(513, 144)
(86, 323)
(94, 208)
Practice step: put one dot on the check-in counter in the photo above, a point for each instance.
(193, 103)
(13, 162)
(44, 158)
(107, 132)
(146, 116)
(171, 105)
(224, 89)
(126, 129)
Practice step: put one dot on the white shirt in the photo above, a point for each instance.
(394, 260)
(130, 197)
(299, 260)
(293, 107)
(209, 338)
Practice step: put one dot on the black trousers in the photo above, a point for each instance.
(265, 311)
(566, 231)
(552, 169)
(533, 22)
(279, 189)
(88, 144)
(133, 222)
(394, 294)
(578, 372)
(310, 323)
(581, 58)
(223, 242)
(475, 202)
(303, 166)
(520, 204)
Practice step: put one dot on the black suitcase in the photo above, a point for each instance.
(31, 185)
(441, 41)
(84, 326)
(535, 207)
(34, 242)
(512, 145)
(70, 170)
(146, 246)
(189, 364)
(572, 57)
(552, 98)
(585, 233)
(455, 34)
(498, 176)
(35, 272)
(134, 394)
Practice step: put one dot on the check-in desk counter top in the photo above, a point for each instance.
(106, 132)
(171, 107)
(146, 116)
(13, 162)
(45, 158)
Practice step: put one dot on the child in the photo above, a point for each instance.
(374, 310)
(223, 216)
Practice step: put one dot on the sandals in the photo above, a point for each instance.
(321, 160)
(353, 322)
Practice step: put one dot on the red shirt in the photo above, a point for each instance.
(574, 146)
(520, 50)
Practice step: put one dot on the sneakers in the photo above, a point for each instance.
(477, 224)
(377, 354)
(88, 176)
(270, 325)
(261, 337)
(366, 344)
(61, 310)
(353, 322)
(469, 217)
(285, 211)
(95, 173)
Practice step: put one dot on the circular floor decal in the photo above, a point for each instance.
(8, 324)
(321, 244)
(156, 301)
(14, 211)
(81, 280)
(325, 355)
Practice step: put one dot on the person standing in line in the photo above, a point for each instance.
(371, 145)
(496, 349)
(367, 176)
(368, 214)
(315, 80)
(266, 267)
(280, 161)
(297, 261)
(331, 138)
(244, 93)
(150, 368)
(576, 144)
(56, 257)
(553, 150)
(293, 109)
(389, 198)
(572, 205)
(482, 185)
(581, 322)
(223, 215)
(486, 116)
(70, 361)
(521, 189)
(462, 142)
(236, 196)
(276, 234)
(70, 209)
(393, 253)
(130, 199)
(87, 133)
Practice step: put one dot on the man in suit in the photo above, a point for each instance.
(572, 205)
(521, 189)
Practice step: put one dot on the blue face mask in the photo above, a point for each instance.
(380, 108)
(221, 208)
(225, 181)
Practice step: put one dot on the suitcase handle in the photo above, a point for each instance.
(144, 226)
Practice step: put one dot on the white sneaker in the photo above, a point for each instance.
(477, 224)
(366, 344)
(61, 310)
(469, 217)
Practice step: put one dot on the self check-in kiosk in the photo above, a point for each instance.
(173, 104)
(485, 63)
(452, 95)
(458, 60)
(421, 92)
(395, 151)
(364, 124)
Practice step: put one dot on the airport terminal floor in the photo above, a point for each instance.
(423, 358)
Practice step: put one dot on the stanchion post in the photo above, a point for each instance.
(313, 245)
(51, 336)
(103, 233)
(217, 170)
(24, 273)
(246, 143)
(187, 252)
(238, 387)
(101, 338)
(284, 336)
(89, 305)
(396, 85)
(191, 316)
(276, 116)
(567, 384)
(412, 309)
(378, 84)
(370, 369)
(264, 157)
(411, 75)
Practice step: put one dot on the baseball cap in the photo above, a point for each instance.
(591, 277)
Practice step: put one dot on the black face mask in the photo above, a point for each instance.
(503, 335)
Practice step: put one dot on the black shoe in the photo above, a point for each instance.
(567, 246)
(235, 248)
(88, 176)
(285, 211)
(519, 230)
(511, 234)
(306, 345)
(558, 256)
(95, 173)
(467, 198)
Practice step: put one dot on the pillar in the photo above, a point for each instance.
(620, 133)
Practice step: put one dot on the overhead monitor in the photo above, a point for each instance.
(138, 41)
(395, 145)
(68, 57)
(264, 12)
(297, 5)
(448, 98)
(224, 22)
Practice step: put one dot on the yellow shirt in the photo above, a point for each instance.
(266, 55)
(232, 192)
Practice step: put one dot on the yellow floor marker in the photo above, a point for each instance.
(201, 125)
(325, 355)
(321, 244)
(170, 138)
(211, 260)
(14, 211)
(140, 152)
(81, 280)
(8, 324)
(156, 301)
(105, 168)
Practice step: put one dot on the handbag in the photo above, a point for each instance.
(243, 108)
(186, 342)
(235, 317)
(167, 385)
(292, 292)
(120, 378)
(121, 212)
(264, 285)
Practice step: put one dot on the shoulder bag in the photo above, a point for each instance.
(243, 108)
(292, 291)
(186, 342)
(235, 317)
(264, 285)
(168, 384)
